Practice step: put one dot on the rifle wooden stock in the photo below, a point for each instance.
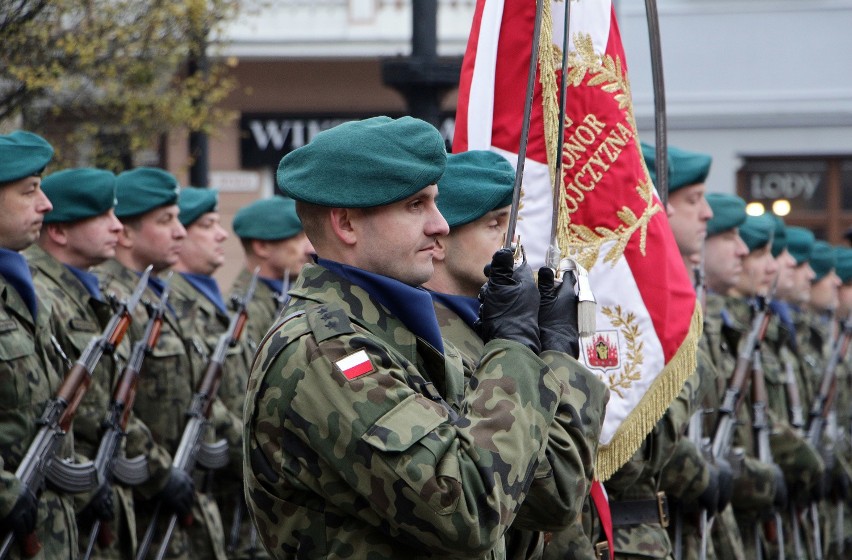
(824, 399)
(39, 462)
(735, 392)
(191, 450)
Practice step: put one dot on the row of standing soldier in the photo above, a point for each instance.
(72, 245)
(777, 476)
(771, 372)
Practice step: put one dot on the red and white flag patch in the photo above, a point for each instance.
(355, 365)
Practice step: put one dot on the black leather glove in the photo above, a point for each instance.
(509, 303)
(709, 499)
(21, 521)
(100, 507)
(179, 493)
(726, 483)
(780, 500)
(557, 314)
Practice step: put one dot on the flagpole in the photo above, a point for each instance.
(525, 128)
(554, 254)
(660, 148)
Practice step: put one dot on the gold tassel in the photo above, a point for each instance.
(665, 388)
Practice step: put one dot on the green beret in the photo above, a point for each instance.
(23, 154)
(779, 241)
(843, 256)
(144, 189)
(800, 243)
(77, 194)
(195, 202)
(474, 183)
(366, 163)
(268, 219)
(728, 212)
(823, 260)
(757, 231)
(685, 168)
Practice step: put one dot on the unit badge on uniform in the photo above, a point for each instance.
(355, 365)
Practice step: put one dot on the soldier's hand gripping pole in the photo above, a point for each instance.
(108, 462)
(192, 450)
(41, 463)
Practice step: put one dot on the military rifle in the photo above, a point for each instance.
(798, 422)
(820, 414)
(108, 463)
(192, 450)
(41, 463)
(828, 387)
(734, 394)
(760, 423)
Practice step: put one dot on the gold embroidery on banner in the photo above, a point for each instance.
(622, 379)
(577, 240)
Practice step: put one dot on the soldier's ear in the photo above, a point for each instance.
(439, 253)
(57, 233)
(343, 224)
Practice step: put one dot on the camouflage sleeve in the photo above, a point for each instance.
(561, 483)
(802, 466)
(139, 441)
(754, 485)
(10, 489)
(230, 427)
(371, 451)
(687, 474)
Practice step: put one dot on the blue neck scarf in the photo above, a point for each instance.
(88, 280)
(16, 271)
(784, 313)
(207, 285)
(465, 307)
(274, 285)
(412, 306)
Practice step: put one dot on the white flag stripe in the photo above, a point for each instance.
(481, 102)
(353, 360)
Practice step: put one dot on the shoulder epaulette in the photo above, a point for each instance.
(328, 321)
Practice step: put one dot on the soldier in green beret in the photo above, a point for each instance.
(475, 197)
(756, 485)
(688, 478)
(204, 317)
(81, 232)
(841, 482)
(362, 437)
(274, 240)
(153, 235)
(30, 368)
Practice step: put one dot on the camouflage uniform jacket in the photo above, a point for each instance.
(379, 465)
(262, 309)
(166, 385)
(558, 481)
(78, 317)
(29, 377)
(204, 323)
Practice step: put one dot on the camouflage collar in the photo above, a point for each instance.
(319, 285)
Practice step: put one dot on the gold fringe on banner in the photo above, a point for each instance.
(665, 388)
(669, 382)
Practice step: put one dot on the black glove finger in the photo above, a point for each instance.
(502, 267)
(726, 483)
(781, 497)
(709, 498)
(179, 493)
(21, 521)
(546, 284)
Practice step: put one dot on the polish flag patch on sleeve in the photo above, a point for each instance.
(355, 365)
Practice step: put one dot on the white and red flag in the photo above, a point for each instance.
(610, 219)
